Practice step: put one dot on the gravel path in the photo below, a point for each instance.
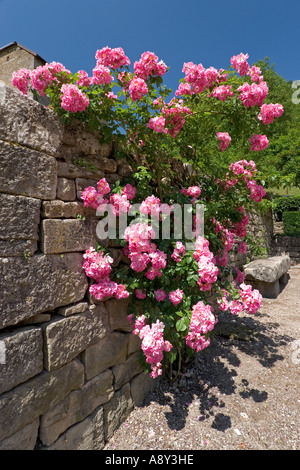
(241, 393)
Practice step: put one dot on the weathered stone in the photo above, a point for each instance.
(66, 189)
(39, 284)
(134, 344)
(106, 353)
(25, 403)
(72, 171)
(267, 270)
(79, 140)
(113, 178)
(123, 373)
(66, 338)
(25, 248)
(124, 169)
(28, 123)
(37, 319)
(23, 357)
(140, 386)
(92, 165)
(76, 407)
(27, 172)
(24, 439)
(86, 435)
(80, 307)
(117, 309)
(65, 236)
(107, 165)
(64, 210)
(117, 410)
(265, 274)
(19, 217)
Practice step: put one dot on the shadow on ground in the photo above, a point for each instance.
(213, 370)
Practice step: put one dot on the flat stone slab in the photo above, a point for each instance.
(39, 284)
(268, 275)
(267, 270)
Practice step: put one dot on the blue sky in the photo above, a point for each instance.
(70, 31)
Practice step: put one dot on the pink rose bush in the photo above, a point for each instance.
(259, 142)
(224, 139)
(180, 150)
(150, 266)
(97, 266)
(202, 321)
(112, 58)
(137, 88)
(153, 343)
(73, 99)
(269, 111)
(20, 80)
(239, 62)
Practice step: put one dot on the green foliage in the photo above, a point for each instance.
(280, 161)
(285, 204)
(256, 246)
(291, 223)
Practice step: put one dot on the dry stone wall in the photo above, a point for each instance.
(69, 366)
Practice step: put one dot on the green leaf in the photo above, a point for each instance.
(181, 324)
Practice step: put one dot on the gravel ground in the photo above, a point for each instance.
(241, 393)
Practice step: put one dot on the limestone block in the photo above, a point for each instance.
(86, 435)
(24, 439)
(93, 164)
(37, 319)
(23, 357)
(27, 172)
(39, 284)
(72, 171)
(124, 169)
(79, 307)
(66, 338)
(134, 344)
(65, 236)
(105, 353)
(66, 210)
(117, 410)
(30, 124)
(78, 139)
(18, 248)
(25, 403)
(66, 189)
(140, 386)
(267, 270)
(76, 407)
(123, 373)
(102, 163)
(117, 309)
(113, 178)
(19, 217)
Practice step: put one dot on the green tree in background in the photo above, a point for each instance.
(280, 161)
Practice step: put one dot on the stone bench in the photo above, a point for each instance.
(268, 275)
